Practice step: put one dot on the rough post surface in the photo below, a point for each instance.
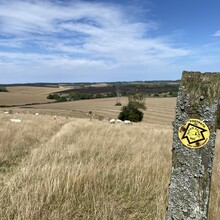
(192, 168)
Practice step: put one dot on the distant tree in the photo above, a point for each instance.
(110, 94)
(99, 96)
(132, 110)
(75, 96)
(173, 94)
(118, 104)
(3, 89)
(137, 101)
(57, 97)
(50, 96)
(62, 99)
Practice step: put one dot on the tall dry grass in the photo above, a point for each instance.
(85, 170)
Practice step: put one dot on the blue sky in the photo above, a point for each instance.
(95, 41)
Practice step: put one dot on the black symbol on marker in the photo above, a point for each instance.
(194, 133)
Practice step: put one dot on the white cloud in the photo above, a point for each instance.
(79, 34)
(216, 34)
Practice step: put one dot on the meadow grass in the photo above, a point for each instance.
(87, 170)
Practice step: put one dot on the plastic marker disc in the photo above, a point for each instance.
(194, 134)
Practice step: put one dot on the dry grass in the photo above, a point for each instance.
(77, 169)
(84, 170)
(214, 207)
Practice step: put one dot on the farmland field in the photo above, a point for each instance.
(159, 110)
(21, 95)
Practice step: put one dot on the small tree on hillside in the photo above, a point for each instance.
(131, 110)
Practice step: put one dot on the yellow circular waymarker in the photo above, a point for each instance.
(194, 134)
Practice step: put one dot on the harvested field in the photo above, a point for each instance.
(21, 95)
(159, 110)
(33, 90)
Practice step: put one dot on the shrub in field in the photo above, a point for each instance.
(57, 97)
(131, 111)
(53, 96)
(156, 95)
(118, 104)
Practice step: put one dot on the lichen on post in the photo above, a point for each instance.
(194, 133)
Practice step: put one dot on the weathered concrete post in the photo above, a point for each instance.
(193, 146)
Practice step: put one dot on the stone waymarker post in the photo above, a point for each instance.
(194, 133)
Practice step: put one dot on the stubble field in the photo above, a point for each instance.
(21, 95)
(159, 110)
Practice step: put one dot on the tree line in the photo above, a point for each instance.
(74, 96)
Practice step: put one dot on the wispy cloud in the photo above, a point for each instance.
(216, 34)
(80, 33)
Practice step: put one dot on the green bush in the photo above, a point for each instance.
(173, 94)
(99, 96)
(118, 104)
(132, 114)
(50, 96)
(131, 111)
(78, 96)
(62, 99)
(57, 97)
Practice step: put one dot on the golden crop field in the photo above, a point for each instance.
(159, 110)
(87, 170)
(21, 95)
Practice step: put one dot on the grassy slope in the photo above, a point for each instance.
(77, 169)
